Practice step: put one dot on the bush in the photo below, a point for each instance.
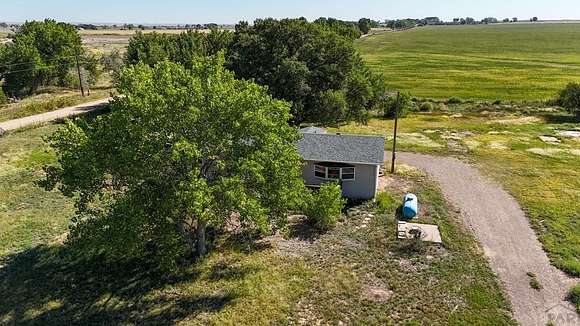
(575, 296)
(442, 107)
(112, 62)
(3, 99)
(324, 207)
(385, 203)
(570, 98)
(391, 105)
(426, 107)
(496, 102)
(454, 100)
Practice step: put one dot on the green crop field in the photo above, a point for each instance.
(510, 62)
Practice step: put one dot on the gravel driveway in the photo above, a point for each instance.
(508, 241)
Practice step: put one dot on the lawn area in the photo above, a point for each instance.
(355, 273)
(543, 177)
(520, 62)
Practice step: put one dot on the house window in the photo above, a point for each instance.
(333, 174)
(347, 174)
(334, 171)
(320, 171)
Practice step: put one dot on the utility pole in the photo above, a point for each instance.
(80, 77)
(395, 136)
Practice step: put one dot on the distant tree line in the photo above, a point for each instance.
(402, 24)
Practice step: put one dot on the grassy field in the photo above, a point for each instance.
(106, 40)
(356, 273)
(543, 177)
(506, 61)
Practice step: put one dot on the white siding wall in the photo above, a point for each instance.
(363, 187)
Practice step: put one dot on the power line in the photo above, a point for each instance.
(29, 62)
(39, 68)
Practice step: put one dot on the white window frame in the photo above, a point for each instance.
(320, 168)
(342, 173)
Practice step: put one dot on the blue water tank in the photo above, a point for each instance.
(410, 206)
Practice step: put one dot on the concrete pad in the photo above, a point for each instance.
(549, 139)
(429, 233)
(569, 133)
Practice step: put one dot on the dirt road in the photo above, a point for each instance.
(52, 115)
(508, 241)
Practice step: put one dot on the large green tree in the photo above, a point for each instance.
(365, 25)
(41, 53)
(303, 63)
(312, 65)
(183, 151)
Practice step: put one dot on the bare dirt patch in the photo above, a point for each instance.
(551, 152)
(502, 145)
(517, 121)
(415, 139)
(376, 294)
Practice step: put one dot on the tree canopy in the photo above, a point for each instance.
(365, 25)
(312, 65)
(182, 48)
(41, 53)
(182, 152)
(302, 63)
(340, 27)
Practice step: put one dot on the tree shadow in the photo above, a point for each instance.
(303, 230)
(46, 286)
(244, 242)
(561, 118)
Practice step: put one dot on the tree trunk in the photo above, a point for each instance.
(200, 249)
(189, 240)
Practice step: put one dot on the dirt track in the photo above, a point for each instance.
(52, 115)
(508, 241)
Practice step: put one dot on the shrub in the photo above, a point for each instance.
(385, 203)
(112, 62)
(534, 283)
(3, 99)
(454, 100)
(442, 107)
(570, 98)
(426, 107)
(324, 207)
(391, 105)
(575, 296)
(496, 102)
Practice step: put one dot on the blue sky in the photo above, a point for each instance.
(231, 11)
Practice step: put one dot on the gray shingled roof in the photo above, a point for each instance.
(342, 148)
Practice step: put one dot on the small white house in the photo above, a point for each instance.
(352, 160)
